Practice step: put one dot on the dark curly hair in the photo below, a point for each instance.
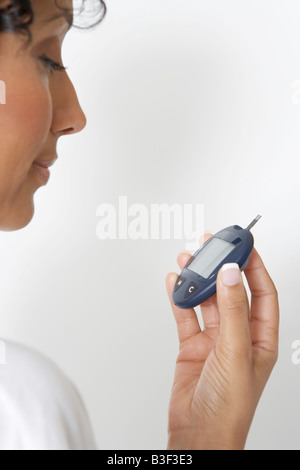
(16, 16)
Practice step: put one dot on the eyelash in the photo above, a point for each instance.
(51, 64)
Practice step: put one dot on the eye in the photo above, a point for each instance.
(51, 65)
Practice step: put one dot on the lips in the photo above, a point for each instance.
(41, 168)
(44, 164)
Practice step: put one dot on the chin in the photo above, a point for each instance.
(17, 219)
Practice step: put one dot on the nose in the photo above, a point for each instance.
(68, 117)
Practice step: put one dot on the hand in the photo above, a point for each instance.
(221, 371)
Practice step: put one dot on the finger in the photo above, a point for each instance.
(264, 305)
(186, 320)
(209, 308)
(206, 236)
(184, 256)
(233, 307)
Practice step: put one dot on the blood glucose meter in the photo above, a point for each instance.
(197, 282)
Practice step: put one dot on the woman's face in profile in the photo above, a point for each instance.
(41, 105)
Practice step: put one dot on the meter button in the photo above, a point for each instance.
(180, 281)
(190, 290)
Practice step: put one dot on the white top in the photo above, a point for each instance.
(40, 409)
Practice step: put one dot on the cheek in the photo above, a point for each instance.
(29, 112)
(25, 122)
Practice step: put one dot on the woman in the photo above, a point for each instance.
(220, 372)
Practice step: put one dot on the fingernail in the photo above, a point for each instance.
(231, 274)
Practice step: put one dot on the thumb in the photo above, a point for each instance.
(233, 308)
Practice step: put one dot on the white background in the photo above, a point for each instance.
(186, 102)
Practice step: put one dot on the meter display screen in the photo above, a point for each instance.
(210, 257)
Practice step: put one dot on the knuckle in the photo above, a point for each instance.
(271, 359)
(236, 307)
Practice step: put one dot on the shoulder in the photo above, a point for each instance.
(26, 367)
(38, 404)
